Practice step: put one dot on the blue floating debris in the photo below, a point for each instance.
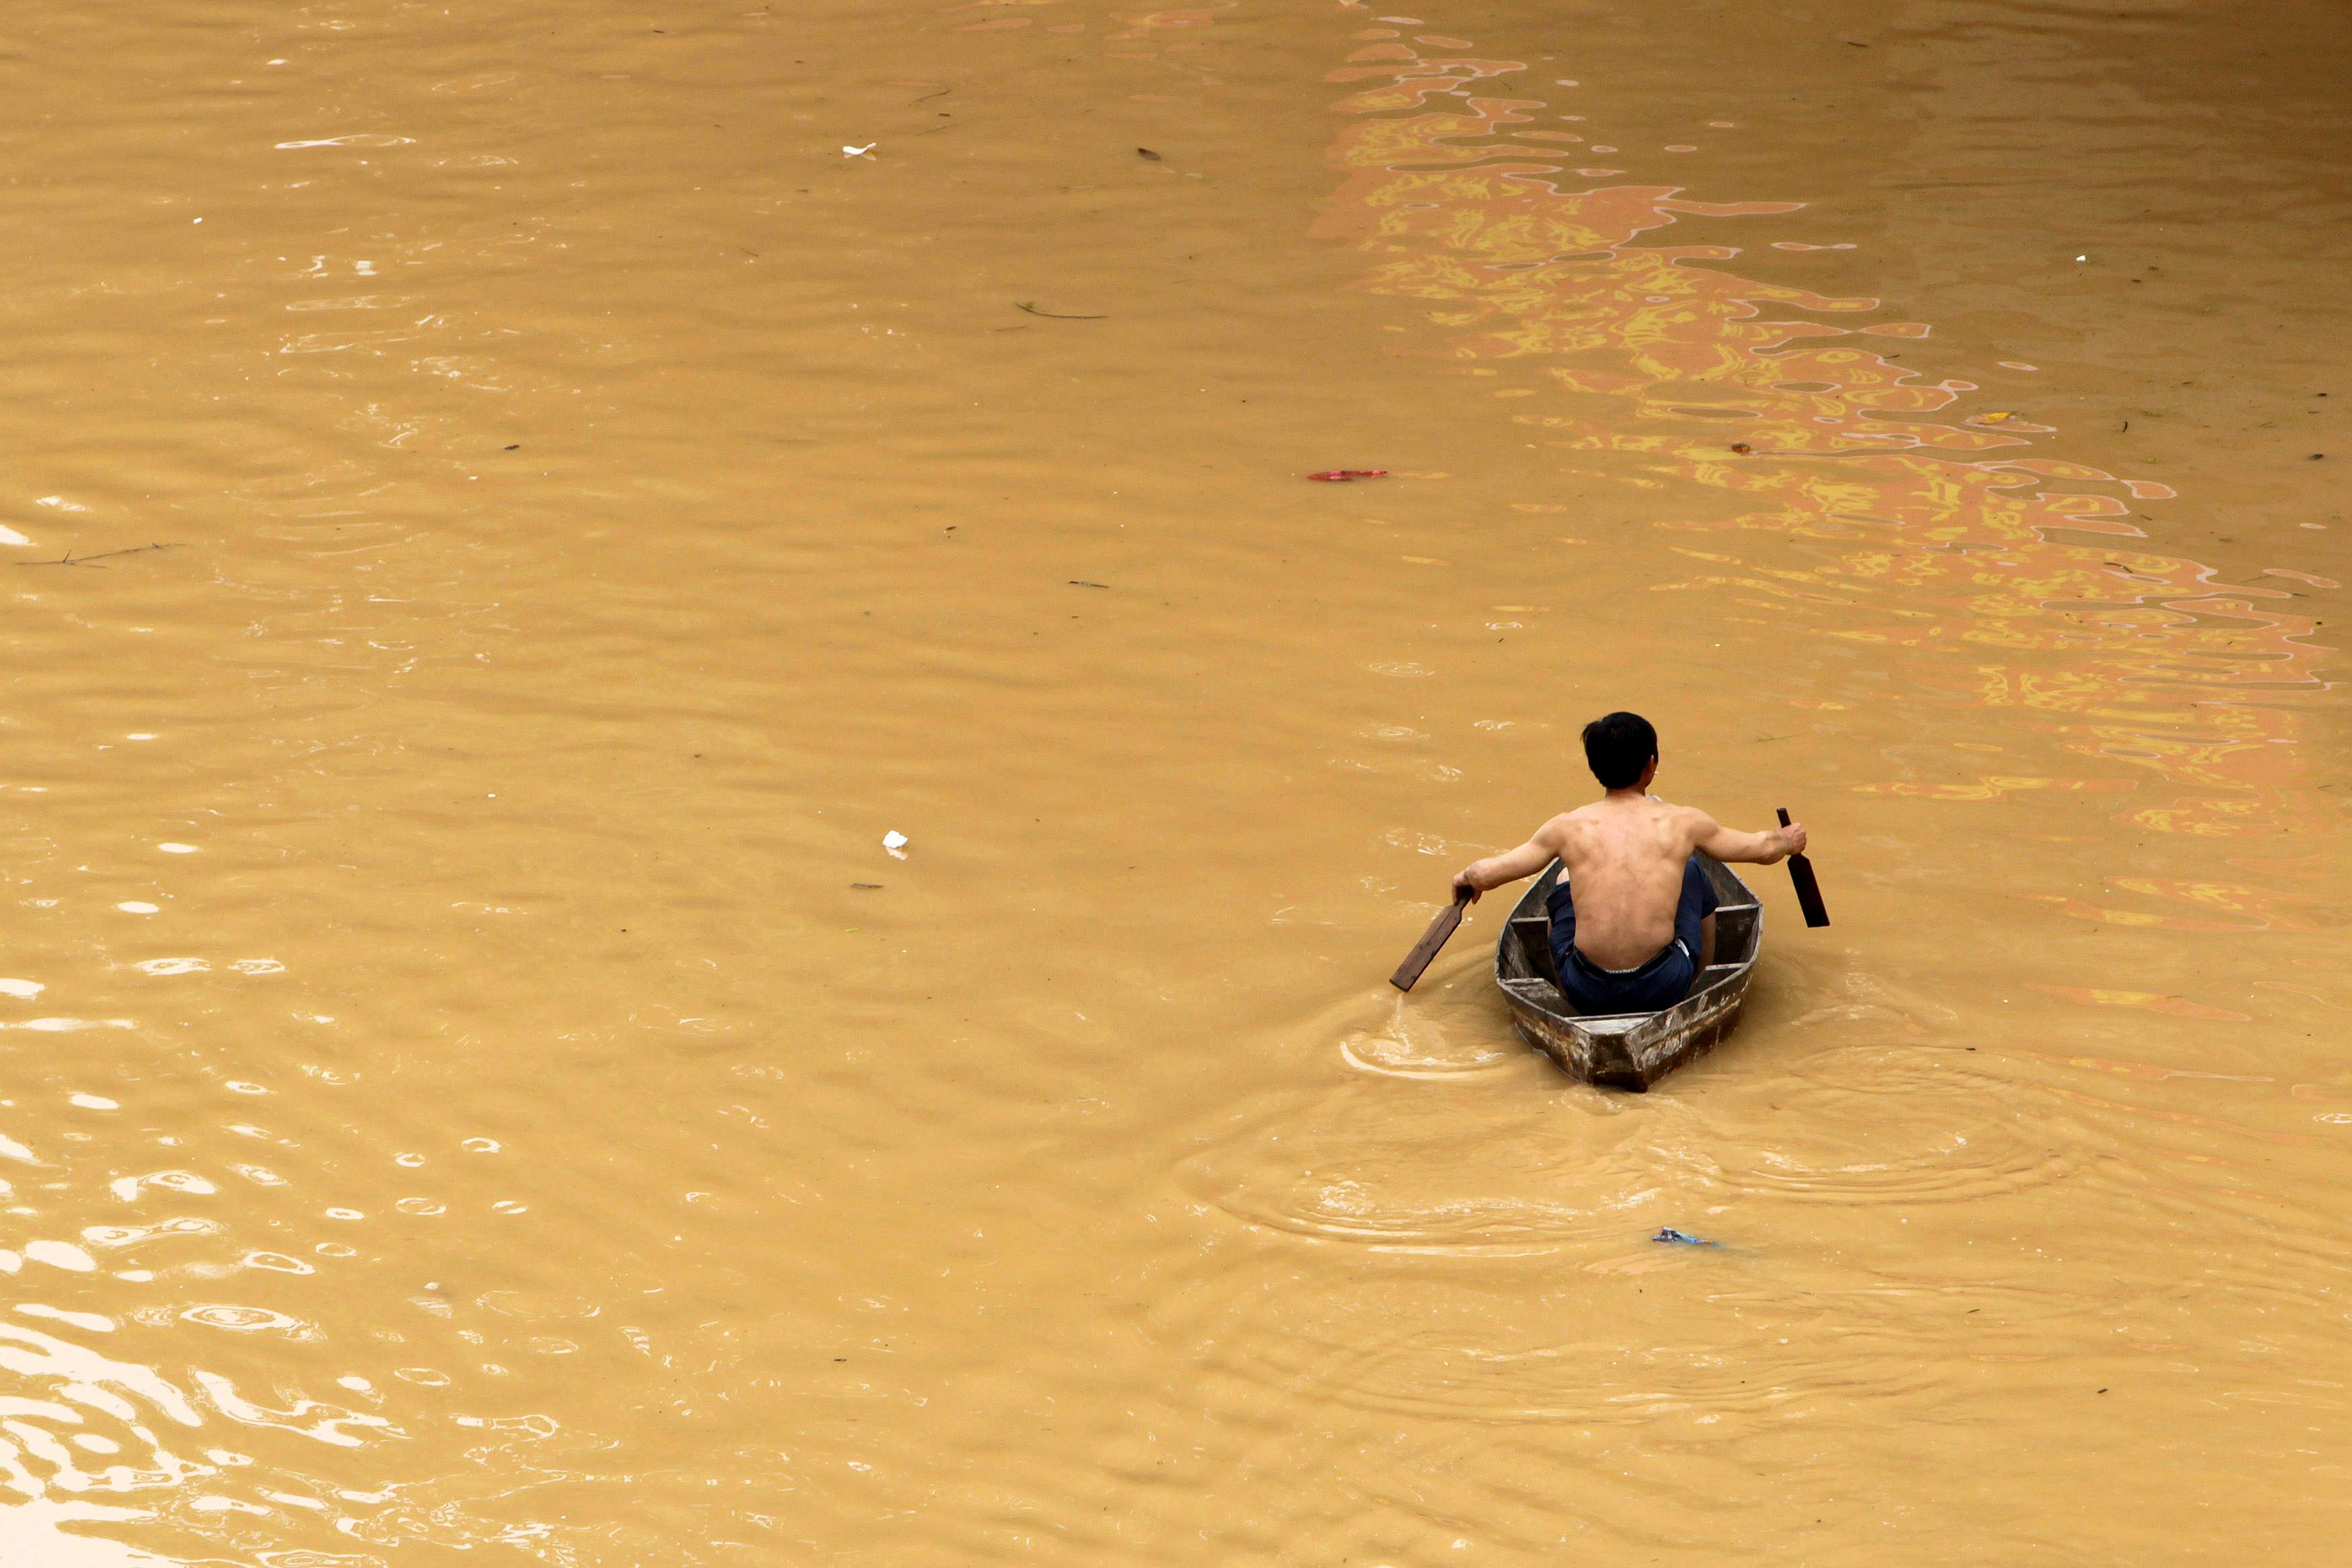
(1669, 1234)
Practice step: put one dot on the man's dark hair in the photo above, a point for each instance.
(1618, 745)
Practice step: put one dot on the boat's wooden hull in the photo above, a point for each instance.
(1628, 1051)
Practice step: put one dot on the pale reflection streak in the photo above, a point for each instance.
(2029, 575)
(95, 1434)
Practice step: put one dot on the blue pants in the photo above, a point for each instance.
(1662, 982)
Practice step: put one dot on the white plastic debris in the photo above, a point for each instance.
(849, 151)
(896, 842)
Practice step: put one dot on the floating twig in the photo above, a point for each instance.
(69, 559)
(1031, 307)
(1080, 582)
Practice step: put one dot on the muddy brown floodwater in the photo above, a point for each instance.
(477, 1088)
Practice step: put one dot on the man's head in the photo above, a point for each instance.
(1620, 746)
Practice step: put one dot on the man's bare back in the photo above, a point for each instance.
(1624, 856)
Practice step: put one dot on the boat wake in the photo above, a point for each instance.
(1422, 1044)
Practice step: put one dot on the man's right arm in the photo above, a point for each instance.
(1485, 875)
(1729, 844)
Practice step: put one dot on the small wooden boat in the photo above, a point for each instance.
(1628, 1051)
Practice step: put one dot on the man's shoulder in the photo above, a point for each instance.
(1554, 827)
(1564, 829)
(1686, 819)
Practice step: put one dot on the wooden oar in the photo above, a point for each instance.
(1809, 892)
(1431, 941)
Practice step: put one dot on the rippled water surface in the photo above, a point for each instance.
(508, 505)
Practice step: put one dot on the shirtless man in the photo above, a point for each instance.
(1631, 938)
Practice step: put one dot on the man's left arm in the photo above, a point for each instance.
(1729, 844)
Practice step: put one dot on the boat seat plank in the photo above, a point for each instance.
(1716, 974)
(1543, 993)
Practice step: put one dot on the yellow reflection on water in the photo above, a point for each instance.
(1930, 527)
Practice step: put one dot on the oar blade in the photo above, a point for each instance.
(1808, 890)
(1409, 972)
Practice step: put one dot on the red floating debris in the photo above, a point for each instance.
(1742, 448)
(1335, 475)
